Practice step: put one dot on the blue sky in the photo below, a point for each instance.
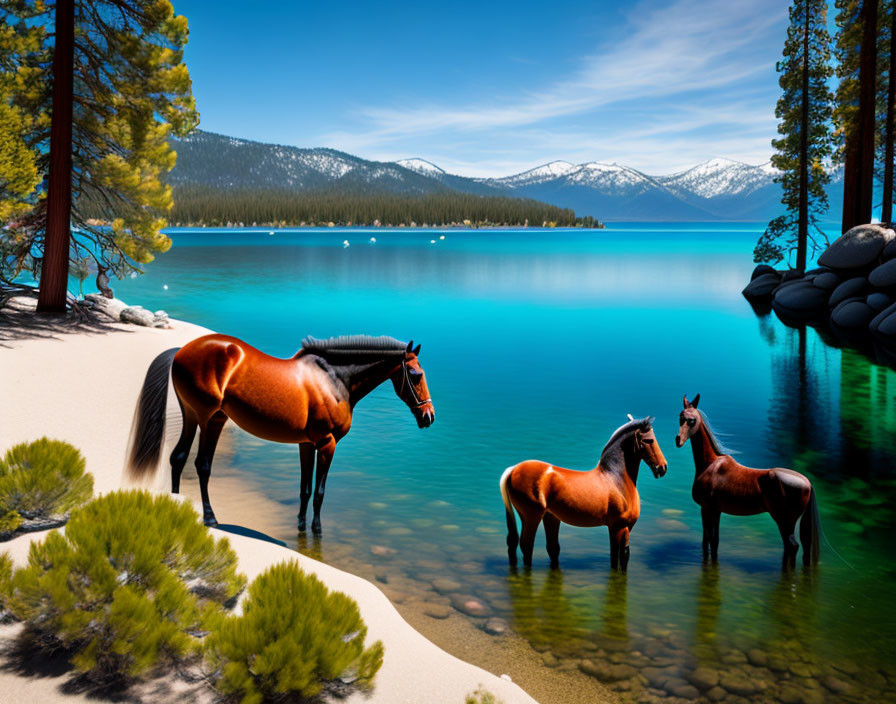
(491, 88)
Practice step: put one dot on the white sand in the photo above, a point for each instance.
(82, 388)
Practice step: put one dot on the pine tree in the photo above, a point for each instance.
(804, 111)
(856, 102)
(130, 93)
(19, 173)
(887, 104)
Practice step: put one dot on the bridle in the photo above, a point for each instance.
(406, 380)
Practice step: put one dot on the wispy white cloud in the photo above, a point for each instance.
(653, 97)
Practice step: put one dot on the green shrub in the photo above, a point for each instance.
(294, 637)
(5, 579)
(41, 479)
(127, 587)
(482, 696)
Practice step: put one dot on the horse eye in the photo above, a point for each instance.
(415, 375)
(691, 421)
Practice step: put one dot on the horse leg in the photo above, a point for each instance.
(324, 458)
(182, 450)
(614, 548)
(622, 536)
(552, 538)
(208, 441)
(527, 537)
(711, 519)
(306, 457)
(787, 527)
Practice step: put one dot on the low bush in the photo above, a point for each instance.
(482, 696)
(295, 637)
(41, 480)
(127, 588)
(5, 579)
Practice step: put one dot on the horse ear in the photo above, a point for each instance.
(696, 400)
(686, 404)
(410, 346)
(417, 350)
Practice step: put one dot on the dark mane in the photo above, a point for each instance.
(353, 346)
(610, 454)
(713, 440)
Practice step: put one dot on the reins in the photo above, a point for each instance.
(406, 380)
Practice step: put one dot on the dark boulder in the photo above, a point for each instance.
(827, 281)
(858, 248)
(761, 287)
(889, 251)
(801, 300)
(886, 330)
(878, 301)
(883, 325)
(791, 274)
(762, 269)
(884, 276)
(791, 282)
(850, 288)
(817, 271)
(852, 314)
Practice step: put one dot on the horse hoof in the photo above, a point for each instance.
(316, 528)
(211, 522)
(301, 526)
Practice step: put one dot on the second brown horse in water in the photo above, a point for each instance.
(307, 399)
(603, 496)
(722, 485)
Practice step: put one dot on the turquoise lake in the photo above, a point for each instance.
(536, 344)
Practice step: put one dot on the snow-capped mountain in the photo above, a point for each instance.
(539, 174)
(719, 177)
(225, 162)
(421, 166)
(718, 189)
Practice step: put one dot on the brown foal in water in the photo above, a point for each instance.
(721, 485)
(603, 496)
(306, 399)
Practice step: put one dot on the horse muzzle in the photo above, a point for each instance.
(678, 441)
(425, 418)
(660, 471)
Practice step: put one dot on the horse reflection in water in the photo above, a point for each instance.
(307, 399)
(604, 496)
(548, 618)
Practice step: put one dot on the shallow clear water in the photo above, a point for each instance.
(536, 344)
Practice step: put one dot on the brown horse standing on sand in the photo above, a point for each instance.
(307, 399)
(603, 496)
(721, 485)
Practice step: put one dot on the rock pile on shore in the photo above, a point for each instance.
(853, 290)
(120, 312)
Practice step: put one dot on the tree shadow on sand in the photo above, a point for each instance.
(19, 321)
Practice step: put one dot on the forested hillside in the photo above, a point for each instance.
(205, 205)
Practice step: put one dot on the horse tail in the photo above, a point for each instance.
(809, 529)
(513, 537)
(148, 429)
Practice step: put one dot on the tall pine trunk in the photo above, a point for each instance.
(803, 216)
(858, 167)
(54, 269)
(867, 112)
(886, 215)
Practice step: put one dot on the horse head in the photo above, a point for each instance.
(689, 421)
(649, 449)
(409, 381)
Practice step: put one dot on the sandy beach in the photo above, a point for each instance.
(80, 385)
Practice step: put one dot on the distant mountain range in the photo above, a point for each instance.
(719, 189)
